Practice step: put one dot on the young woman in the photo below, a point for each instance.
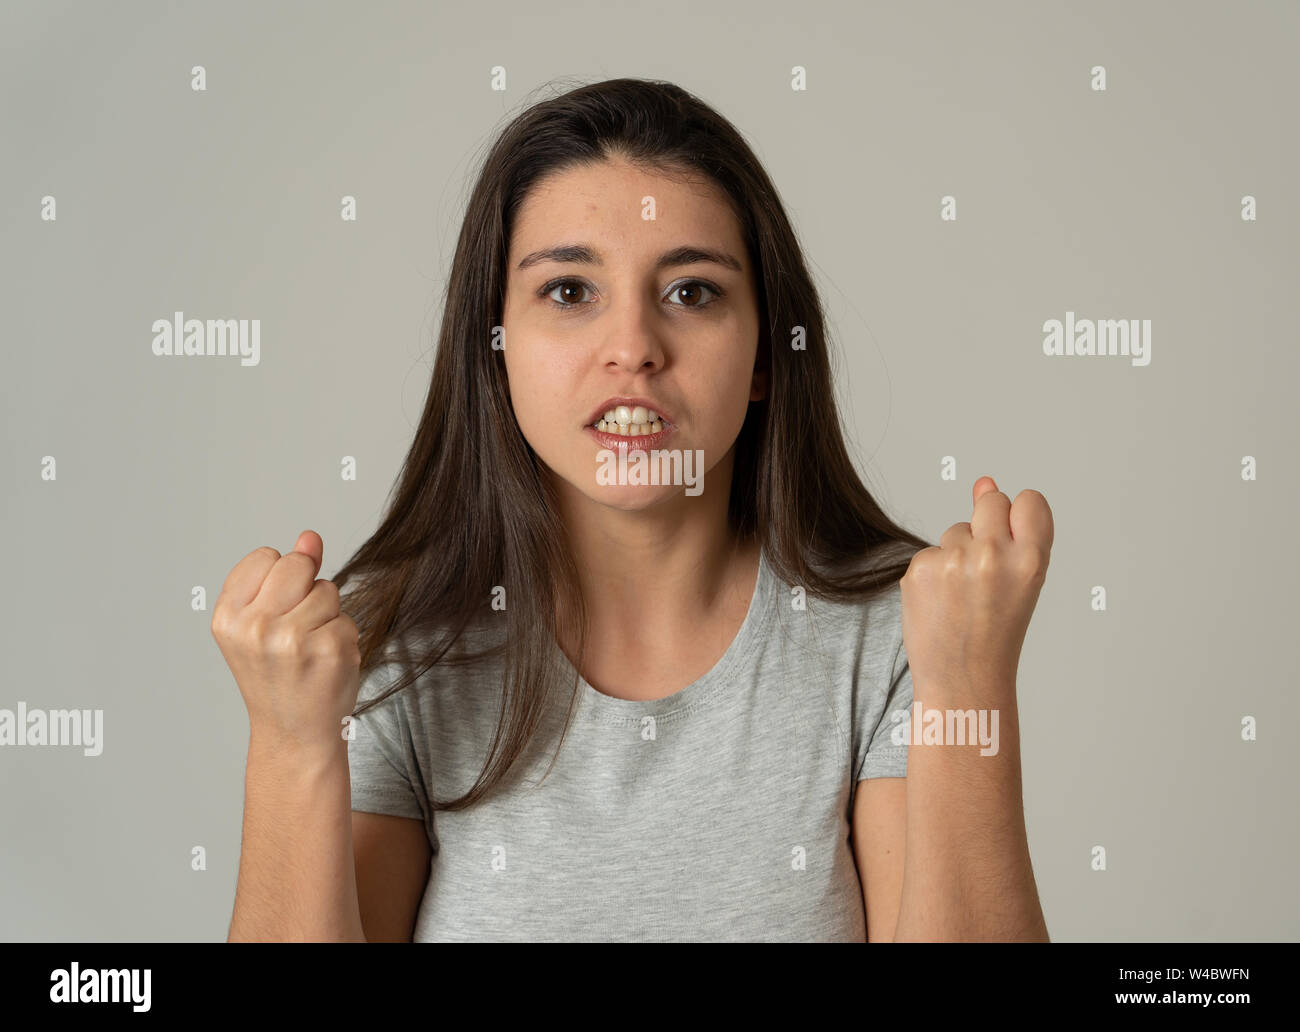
(630, 639)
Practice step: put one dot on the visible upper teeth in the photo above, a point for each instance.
(630, 421)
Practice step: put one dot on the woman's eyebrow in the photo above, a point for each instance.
(584, 254)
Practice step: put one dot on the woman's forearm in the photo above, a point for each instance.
(966, 869)
(297, 872)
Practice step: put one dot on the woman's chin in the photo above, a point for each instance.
(633, 498)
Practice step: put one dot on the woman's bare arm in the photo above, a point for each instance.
(967, 875)
(393, 856)
(879, 831)
(297, 877)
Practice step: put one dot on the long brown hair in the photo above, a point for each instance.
(472, 511)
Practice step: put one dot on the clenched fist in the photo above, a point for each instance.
(967, 602)
(292, 650)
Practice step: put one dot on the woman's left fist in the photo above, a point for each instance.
(967, 602)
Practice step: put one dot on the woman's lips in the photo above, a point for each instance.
(630, 442)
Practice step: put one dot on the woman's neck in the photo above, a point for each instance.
(663, 585)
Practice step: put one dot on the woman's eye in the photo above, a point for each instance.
(569, 294)
(568, 289)
(694, 287)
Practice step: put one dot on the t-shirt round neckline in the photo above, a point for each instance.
(703, 689)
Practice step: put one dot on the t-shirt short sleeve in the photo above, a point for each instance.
(380, 754)
(876, 754)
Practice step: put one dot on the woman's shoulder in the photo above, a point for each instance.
(866, 611)
(410, 649)
(870, 580)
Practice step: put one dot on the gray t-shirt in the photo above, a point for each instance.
(721, 812)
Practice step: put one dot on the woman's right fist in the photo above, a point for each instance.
(292, 650)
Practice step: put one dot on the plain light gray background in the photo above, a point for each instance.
(225, 204)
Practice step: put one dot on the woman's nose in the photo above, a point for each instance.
(630, 340)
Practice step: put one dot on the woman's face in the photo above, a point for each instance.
(619, 315)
